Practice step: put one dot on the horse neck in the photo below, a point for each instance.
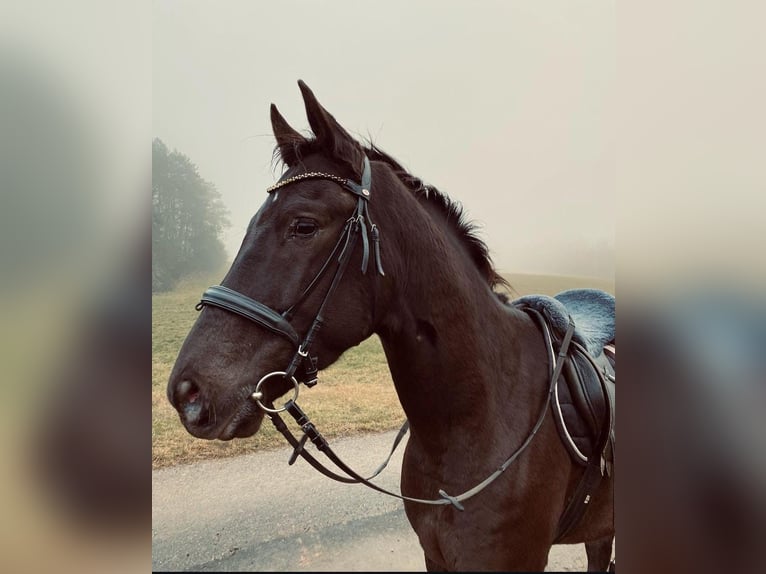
(455, 351)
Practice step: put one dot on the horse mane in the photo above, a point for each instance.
(452, 211)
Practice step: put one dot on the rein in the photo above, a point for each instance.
(311, 433)
(279, 323)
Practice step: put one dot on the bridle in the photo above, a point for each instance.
(356, 226)
(279, 323)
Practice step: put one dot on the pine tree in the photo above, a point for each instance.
(188, 218)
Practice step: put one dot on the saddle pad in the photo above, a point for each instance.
(592, 310)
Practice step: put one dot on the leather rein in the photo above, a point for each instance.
(279, 323)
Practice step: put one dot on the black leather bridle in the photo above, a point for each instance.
(279, 323)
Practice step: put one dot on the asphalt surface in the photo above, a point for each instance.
(256, 513)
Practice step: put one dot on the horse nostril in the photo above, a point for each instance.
(186, 398)
(186, 392)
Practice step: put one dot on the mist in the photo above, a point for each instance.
(514, 109)
(507, 108)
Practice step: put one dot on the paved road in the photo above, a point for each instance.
(256, 513)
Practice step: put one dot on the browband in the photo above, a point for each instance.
(362, 191)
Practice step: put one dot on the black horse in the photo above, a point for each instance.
(348, 244)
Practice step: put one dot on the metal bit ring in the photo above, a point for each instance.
(258, 395)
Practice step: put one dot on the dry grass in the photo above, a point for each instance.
(355, 395)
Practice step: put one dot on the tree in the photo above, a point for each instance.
(188, 218)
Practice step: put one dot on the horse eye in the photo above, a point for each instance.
(305, 227)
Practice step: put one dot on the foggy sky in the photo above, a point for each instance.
(506, 107)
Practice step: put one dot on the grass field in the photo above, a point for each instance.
(355, 395)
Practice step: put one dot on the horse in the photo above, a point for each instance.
(349, 244)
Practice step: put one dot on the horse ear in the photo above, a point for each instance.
(327, 130)
(288, 140)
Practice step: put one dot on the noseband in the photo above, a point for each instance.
(279, 323)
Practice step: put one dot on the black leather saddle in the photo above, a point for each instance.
(583, 400)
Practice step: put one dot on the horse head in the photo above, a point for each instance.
(306, 284)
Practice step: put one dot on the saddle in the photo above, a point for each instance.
(583, 399)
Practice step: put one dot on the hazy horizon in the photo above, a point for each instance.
(512, 115)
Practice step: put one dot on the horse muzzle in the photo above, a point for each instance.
(205, 419)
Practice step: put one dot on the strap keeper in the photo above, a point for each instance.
(451, 499)
(315, 436)
(310, 371)
(296, 412)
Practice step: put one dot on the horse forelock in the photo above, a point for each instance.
(348, 154)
